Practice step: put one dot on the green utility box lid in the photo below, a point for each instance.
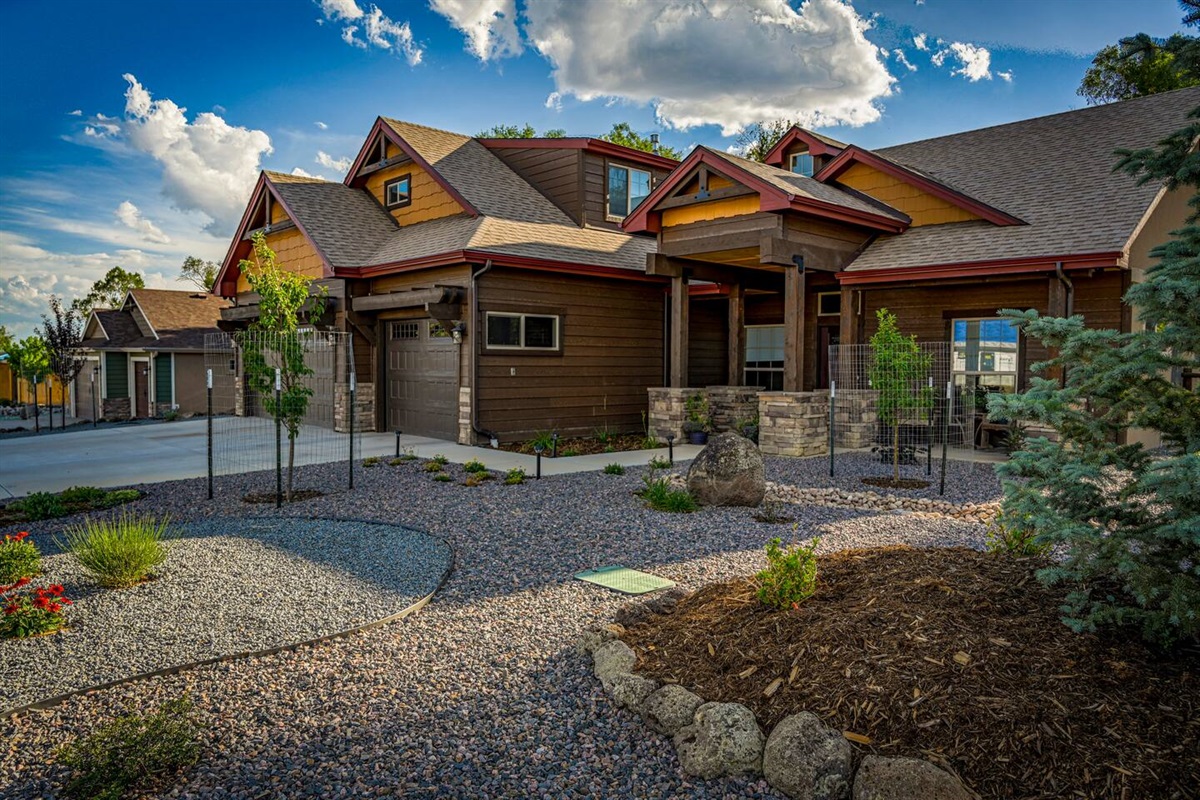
(623, 579)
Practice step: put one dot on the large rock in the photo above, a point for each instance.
(593, 639)
(670, 708)
(611, 659)
(808, 761)
(723, 739)
(728, 472)
(881, 778)
(630, 691)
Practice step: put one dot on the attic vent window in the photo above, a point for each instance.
(802, 163)
(398, 191)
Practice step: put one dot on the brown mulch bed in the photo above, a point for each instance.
(585, 445)
(952, 655)
(894, 483)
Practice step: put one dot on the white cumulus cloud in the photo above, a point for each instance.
(727, 62)
(554, 101)
(131, 217)
(975, 62)
(1006, 75)
(489, 25)
(371, 28)
(339, 164)
(903, 60)
(321, 125)
(920, 41)
(207, 164)
(76, 113)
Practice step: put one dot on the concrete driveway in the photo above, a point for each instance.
(171, 451)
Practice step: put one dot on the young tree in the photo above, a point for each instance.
(525, 131)
(199, 272)
(109, 291)
(897, 371)
(64, 336)
(623, 134)
(1129, 518)
(756, 140)
(30, 362)
(275, 341)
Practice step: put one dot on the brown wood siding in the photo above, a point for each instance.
(555, 173)
(708, 331)
(595, 188)
(611, 352)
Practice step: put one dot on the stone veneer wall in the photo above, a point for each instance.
(729, 405)
(855, 419)
(115, 408)
(364, 407)
(464, 416)
(668, 410)
(793, 423)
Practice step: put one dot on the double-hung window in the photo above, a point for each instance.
(764, 357)
(984, 355)
(626, 188)
(522, 331)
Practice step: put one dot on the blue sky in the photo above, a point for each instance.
(98, 169)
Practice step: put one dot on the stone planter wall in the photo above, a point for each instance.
(855, 419)
(668, 410)
(730, 405)
(793, 423)
(115, 408)
(364, 407)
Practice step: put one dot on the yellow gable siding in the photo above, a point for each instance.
(293, 253)
(924, 208)
(717, 209)
(429, 199)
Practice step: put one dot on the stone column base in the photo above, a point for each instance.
(793, 423)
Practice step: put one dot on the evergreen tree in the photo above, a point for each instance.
(1128, 517)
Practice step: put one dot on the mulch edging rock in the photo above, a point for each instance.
(802, 757)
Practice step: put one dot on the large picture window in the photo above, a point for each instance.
(984, 355)
(626, 188)
(764, 357)
(522, 331)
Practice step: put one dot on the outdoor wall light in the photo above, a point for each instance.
(456, 333)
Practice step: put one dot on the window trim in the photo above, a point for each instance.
(390, 183)
(792, 163)
(522, 347)
(609, 165)
(746, 368)
(1016, 372)
(821, 313)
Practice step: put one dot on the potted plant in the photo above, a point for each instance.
(698, 422)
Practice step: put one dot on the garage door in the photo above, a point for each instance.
(422, 379)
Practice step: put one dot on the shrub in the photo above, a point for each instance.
(18, 558)
(569, 452)
(83, 494)
(440, 460)
(442, 477)
(1015, 537)
(171, 415)
(434, 466)
(43, 505)
(371, 461)
(658, 462)
(474, 466)
(543, 438)
(514, 476)
(659, 495)
(604, 435)
(117, 498)
(472, 479)
(614, 469)
(31, 612)
(132, 751)
(120, 552)
(790, 576)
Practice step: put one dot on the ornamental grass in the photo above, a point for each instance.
(119, 552)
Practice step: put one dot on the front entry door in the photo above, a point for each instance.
(422, 379)
(827, 336)
(141, 389)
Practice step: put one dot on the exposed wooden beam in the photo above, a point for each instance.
(250, 311)
(408, 299)
(378, 165)
(287, 224)
(364, 325)
(679, 332)
(716, 194)
(737, 335)
(793, 330)
(781, 251)
(446, 313)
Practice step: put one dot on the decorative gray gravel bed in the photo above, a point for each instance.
(966, 481)
(228, 586)
(481, 694)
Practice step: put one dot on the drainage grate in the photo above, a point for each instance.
(623, 579)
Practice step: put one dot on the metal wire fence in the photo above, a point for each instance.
(899, 405)
(292, 398)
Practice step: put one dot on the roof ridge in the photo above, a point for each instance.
(288, 177)
(391, 120)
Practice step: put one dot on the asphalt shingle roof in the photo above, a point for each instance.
(346, 224)
(1054, 172)
(180, 318)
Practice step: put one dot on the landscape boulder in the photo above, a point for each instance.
(630, 691)
(612, 659)
(806, 760)
(593, 639)
(670, 708)
(723, 739)
(881, 778)
(728, 472)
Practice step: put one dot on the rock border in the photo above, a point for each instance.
(801, 758)
(50, 702)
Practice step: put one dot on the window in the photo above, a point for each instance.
(764, 356)
(404, 330)
(829, 303)
(398, 191)
(984, 356)
(802, 163)
(522, 331)
(626, 188)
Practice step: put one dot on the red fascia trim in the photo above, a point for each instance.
(395, 138)
(854, 153)
(598, 146)
(980, 269)
(497, 259)
(815, 146)
(844, 214)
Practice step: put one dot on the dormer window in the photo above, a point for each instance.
(626, 188)
(802, 164)
(398, 191)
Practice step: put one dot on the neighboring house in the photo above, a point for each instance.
(487, 285)
(781, 260)
(147, 357)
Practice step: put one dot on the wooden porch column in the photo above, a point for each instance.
(793, 329)
(679, 332)
(848, 322)
(737, 335)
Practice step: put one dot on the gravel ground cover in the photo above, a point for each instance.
(227, 586)
(966, 481)
(480, 695)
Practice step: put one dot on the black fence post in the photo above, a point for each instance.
(37, 422)
(350, 412)
(945, 435)
(929, 433)
(832, 417)
(554, 441)
(50, 400)
(537, 449)
(278, 440)
(95, 410)
(208, 382)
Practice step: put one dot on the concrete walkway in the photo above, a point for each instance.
(172, 451)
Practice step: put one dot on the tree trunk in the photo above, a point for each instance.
(896, 452)
(291, 463)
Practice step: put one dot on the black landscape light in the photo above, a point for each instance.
(537, 449)
(554, 442)
(398, 432)
(671, 448)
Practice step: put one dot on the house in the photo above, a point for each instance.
(487, 286)
(778, 261)
(147, 357)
